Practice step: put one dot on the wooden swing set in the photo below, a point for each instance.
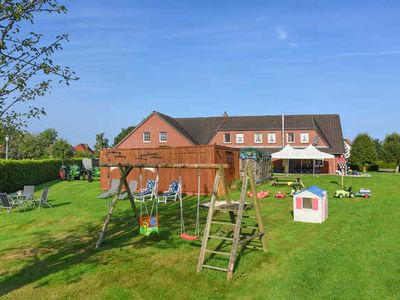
(236, 210)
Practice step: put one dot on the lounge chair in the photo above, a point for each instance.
(112, 191)
(172, 193)
(148, 193)
(28, 192)
(132, 188)
(43, 199)
(7, 203)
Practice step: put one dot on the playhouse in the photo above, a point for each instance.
(310, 205)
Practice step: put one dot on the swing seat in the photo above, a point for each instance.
(189, 237)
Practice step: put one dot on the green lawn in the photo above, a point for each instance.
(49, 253)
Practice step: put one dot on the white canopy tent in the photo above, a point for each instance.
(310, 152)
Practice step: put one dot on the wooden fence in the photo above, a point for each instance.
(209, 154)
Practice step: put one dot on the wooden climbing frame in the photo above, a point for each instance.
(125, 169)
(236, 210)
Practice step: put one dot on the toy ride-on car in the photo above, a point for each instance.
(344, 193)
(364, 193)
(280, 195)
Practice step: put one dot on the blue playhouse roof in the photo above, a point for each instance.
(315, 190)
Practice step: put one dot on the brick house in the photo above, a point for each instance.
(266, 133)
(83, 148)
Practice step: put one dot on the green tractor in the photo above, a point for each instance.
(344, 193)
(90, 170)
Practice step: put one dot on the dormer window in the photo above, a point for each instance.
(316, 141)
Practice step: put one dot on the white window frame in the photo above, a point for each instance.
(166, 136)
(230, 138)
(260, 135)
(270, 135)
(237, 138)
(287, 137)
(303, 134)
(143, 135)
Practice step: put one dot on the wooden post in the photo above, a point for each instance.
(260, 222)
(124, 173)
(207, 229)
(236, 234)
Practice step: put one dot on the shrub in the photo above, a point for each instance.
(14, 174)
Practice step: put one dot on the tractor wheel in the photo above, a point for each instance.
(341, 196)
(351, 195)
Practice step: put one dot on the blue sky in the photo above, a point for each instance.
(201, 58)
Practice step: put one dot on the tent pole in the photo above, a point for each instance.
(313, 167)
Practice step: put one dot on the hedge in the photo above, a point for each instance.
(14, 174)
(379, 165)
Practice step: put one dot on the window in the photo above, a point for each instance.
(258, 138)
(227, 138)
(146, 137)
(304, 137)
(319, 163)
(240, 138)
(307, 203)
(271, 138)
(290, 137)
(163, 137)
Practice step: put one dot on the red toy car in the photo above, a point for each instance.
(280, 195)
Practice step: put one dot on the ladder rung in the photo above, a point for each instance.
(218, 252)
(215, 268)
(251, 237)
(222, 223)
(247, 226)
(250, 217)
(220, 237)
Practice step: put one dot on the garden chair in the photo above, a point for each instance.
(28, 192)
(7, 203)
(112, 191)
(172, 193)
(43, 199)
(132, 188)
(148, 193)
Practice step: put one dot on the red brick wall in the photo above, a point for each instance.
(249, 139)
(154, 125)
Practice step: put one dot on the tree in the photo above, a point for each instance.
(363, 151)
(124, 132)
(27, 68)
(101, 143)
(83, 154)
(61, 149)
(31, 148)
(391, 149)
(378, 148)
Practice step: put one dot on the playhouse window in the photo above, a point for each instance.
(307, 203)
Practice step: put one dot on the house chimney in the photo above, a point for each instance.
(225, 114)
